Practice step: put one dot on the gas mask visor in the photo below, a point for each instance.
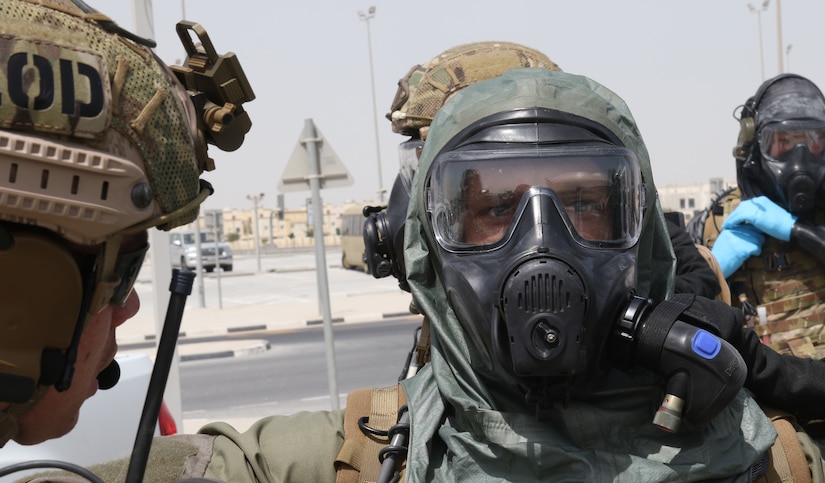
(408, 154)
(475, 195)
(777, 140)
(793, 155)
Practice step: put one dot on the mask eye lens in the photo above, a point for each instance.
(589, 212)
(596, 190)
(408, 155)
(776, 141)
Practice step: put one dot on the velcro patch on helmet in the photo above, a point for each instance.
(53, 88)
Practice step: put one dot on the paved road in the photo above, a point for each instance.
(291, 376)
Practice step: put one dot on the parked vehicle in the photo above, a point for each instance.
(106, 427)
(183, 251)
(352, 239)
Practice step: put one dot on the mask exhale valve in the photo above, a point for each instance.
(704, 373)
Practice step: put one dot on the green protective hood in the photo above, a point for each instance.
(465, 430)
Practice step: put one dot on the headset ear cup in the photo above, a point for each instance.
(744, 144)
(747, 130)
(41, 293)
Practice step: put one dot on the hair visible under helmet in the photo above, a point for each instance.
(98, 140)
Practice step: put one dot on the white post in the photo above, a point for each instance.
(159, 251)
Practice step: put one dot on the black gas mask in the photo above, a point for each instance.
(780, 149)
(537, 245)
(793, 162)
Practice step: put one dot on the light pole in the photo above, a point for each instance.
(255, 199)
(779, 33)
(788, 57)
(366, 18)
(758, 12)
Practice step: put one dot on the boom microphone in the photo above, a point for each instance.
(108, 377)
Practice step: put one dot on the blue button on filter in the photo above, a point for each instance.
(706, 344)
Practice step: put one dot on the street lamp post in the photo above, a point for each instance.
(758, 12)
(779, 34)
(788, 57)
(366, 18)
(255, 199)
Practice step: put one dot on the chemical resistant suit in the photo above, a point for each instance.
(604, 436)
(778, 381)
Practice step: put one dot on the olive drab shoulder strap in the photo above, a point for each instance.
(422, 347)
(368, 418)
(724, 293)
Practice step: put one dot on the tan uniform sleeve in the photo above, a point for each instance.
(171, 458)
(297, 448)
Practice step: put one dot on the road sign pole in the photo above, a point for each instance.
(315, 166)
(311, 143)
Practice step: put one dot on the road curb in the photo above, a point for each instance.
(251, 347)
(193, 335)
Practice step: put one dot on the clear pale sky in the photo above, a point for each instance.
(682, 67)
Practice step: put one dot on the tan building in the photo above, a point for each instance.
(292, 229)
(690, 199)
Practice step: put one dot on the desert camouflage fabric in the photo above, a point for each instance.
(425, 88)
(788, 283)
(66, 80)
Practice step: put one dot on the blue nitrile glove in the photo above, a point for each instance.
(761, 212)
(735, 245)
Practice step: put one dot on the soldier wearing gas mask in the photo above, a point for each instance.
(771, 245)
(99, 142)
(533, 219)
(777, 381)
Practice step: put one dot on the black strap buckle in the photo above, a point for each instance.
(776, 262)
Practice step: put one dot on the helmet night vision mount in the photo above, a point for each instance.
(218, 87)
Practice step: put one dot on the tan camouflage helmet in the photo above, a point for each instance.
(97, 136)
(425, 88)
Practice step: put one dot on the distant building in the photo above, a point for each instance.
(690, 199)
(279, 227)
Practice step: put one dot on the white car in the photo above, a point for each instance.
(183, 251)
(106, 428)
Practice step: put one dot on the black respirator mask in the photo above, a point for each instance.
(793, 162)
(537, 245)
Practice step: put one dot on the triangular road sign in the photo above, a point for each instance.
(333, 173)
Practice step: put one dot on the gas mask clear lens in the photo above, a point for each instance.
(408, 154)
(778, 139)
(475, 196)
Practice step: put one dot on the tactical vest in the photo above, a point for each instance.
(783, 283)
